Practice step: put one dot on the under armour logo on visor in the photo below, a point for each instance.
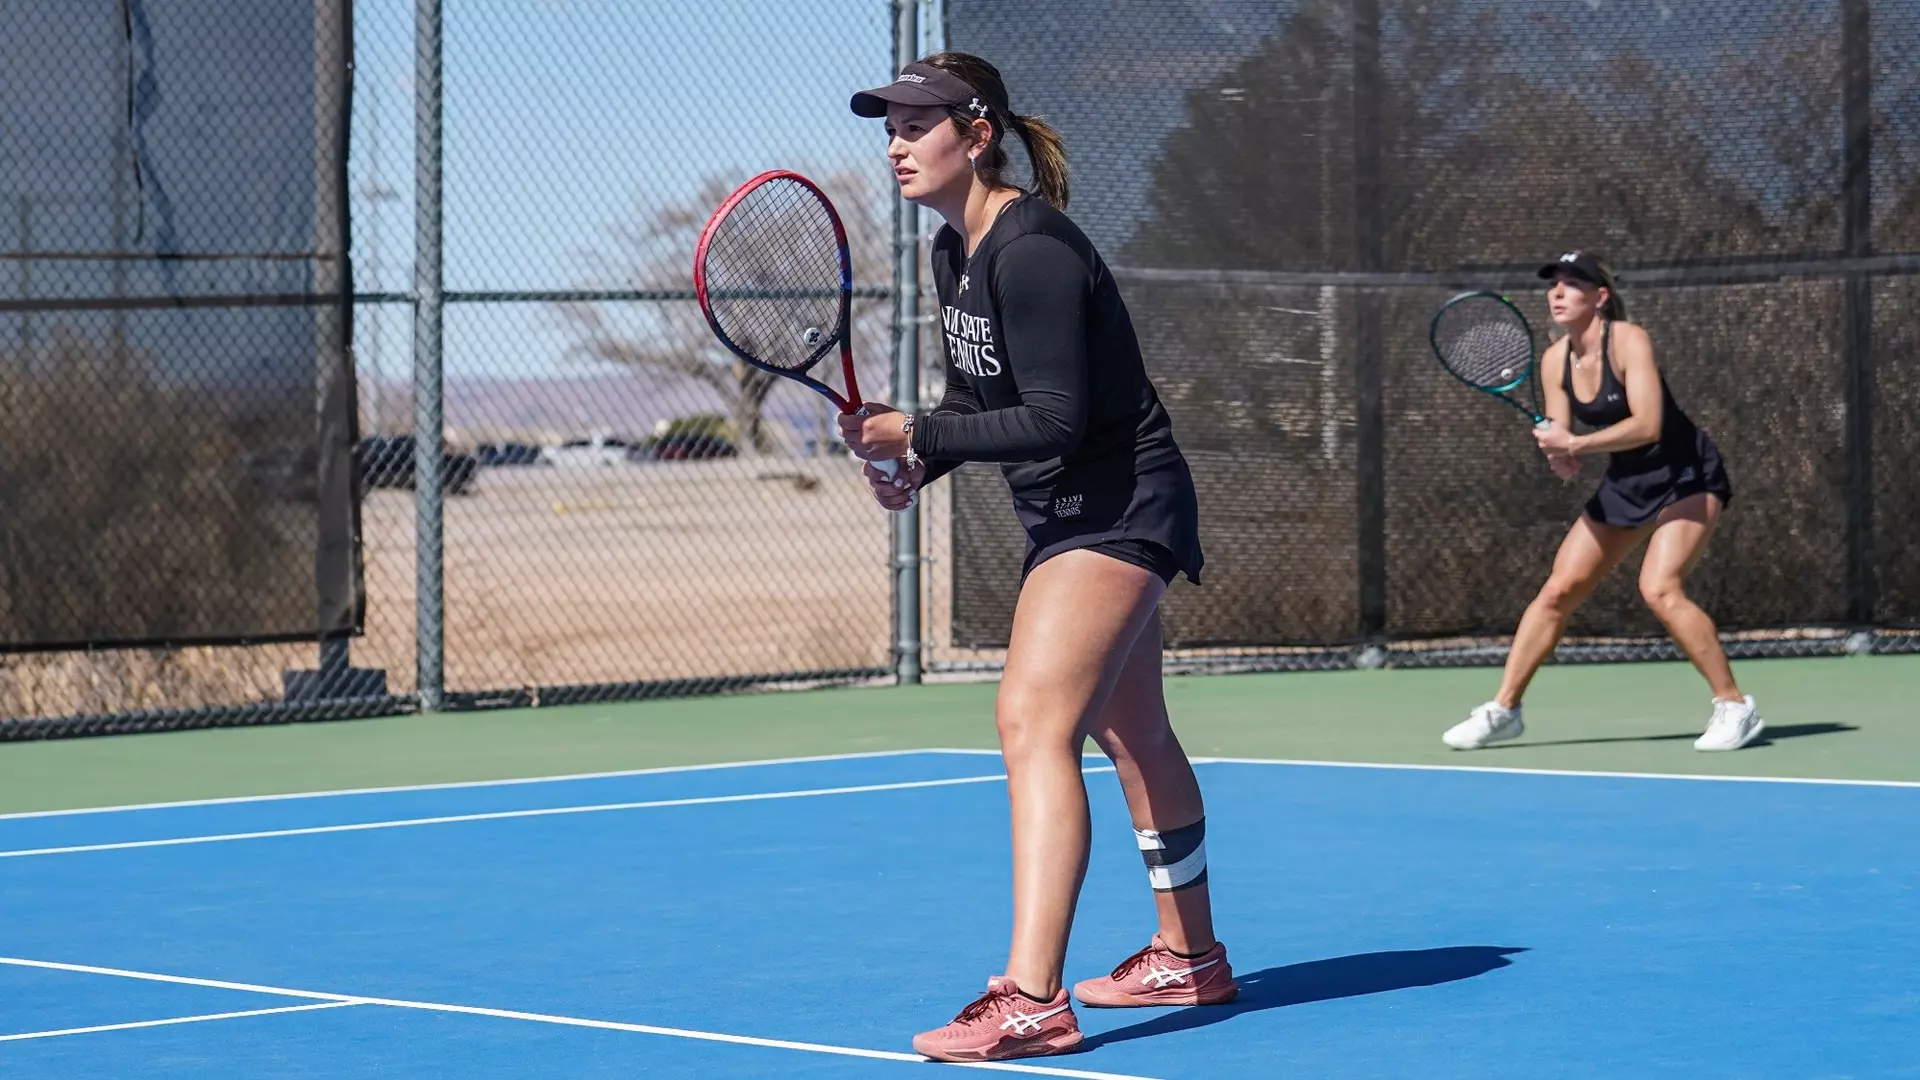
(978, 109)
(1571, 256)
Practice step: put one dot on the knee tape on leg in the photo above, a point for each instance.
(1177, 858)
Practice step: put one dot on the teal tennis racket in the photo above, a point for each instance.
(1484, 341)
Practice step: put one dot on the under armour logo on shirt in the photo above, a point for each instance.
(963, 283)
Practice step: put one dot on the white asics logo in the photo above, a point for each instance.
(911, 78)
(1571, 256)
(1161, 978)
(1028, 1023)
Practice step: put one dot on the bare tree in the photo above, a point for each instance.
(653, 250)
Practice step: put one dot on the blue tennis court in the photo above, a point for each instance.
(806, 917)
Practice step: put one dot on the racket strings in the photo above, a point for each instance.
(1483, 343)
(774, 275)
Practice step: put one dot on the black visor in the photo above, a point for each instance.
(1577, 263)
(921, 84)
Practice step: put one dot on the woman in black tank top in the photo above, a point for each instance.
(1641, 481)
(1665, 485)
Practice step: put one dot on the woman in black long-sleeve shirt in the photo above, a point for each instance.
(1045, 377)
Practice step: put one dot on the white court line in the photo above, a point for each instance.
(1203, 759)
(544, 1018)
(177, 1020)
(503, 815)
(459, 784)
(1551, 772)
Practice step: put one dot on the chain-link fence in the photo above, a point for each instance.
(1287, 193)
(175, 390)
(623, 510)
(650, 515)
(546, 483)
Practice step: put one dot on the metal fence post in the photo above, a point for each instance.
(1369, 315)
(1856, 196)
(907, 644)
(26, 276)
(428, 414)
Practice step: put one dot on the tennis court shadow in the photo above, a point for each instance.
(1326, 980)
(1772, 733)
(1794, 731)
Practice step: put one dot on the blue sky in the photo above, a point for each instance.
(563, 117)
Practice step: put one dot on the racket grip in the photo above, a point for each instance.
(892, 469)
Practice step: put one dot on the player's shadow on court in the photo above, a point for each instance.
(1772, 733)
(1326, 980)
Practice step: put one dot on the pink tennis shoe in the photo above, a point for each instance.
(1004, 1024)
(1156, 975)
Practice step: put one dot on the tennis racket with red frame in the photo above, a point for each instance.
(775, 281)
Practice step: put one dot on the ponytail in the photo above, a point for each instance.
(1044, 147)
(1049, 156)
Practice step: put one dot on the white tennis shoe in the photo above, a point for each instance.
(1734, 725)
(1489, 723)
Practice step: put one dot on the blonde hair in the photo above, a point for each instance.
(1615, 309)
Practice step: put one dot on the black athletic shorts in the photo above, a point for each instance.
(1144, 554)
(1147, 517)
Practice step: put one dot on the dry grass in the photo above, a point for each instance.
(559, 576)
(562, 577)
(115, 488)
(570, 576)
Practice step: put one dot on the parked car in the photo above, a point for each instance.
(496, 455)
(386, 461)
(689, 438)
(598, 450)
(690, 446)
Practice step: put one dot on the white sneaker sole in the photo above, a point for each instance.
(1759, 726)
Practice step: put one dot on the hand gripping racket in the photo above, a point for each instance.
(775, 281)
(1484, 341)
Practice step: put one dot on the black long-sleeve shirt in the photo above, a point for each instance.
(1044, 373)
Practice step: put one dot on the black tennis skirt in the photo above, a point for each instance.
(1633, 496)
(1147, 515)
